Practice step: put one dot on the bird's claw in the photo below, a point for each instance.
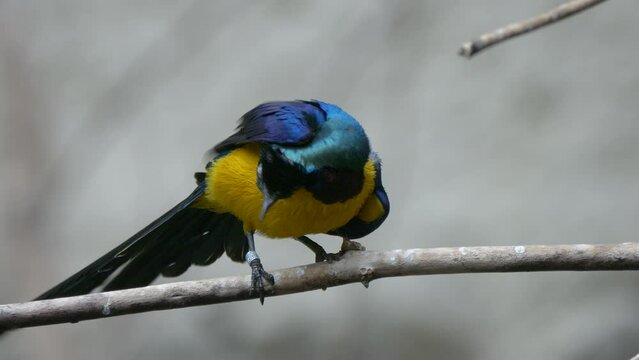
(347, 245)
(257, 274)
(350, 245)
(328, 257)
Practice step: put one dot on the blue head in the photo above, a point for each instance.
(339, 142)
(329, 162)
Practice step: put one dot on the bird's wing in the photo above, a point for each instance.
(277, 122)
(183, 236)
(193, 236)
(372, 214)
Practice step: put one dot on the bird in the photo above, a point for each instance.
(290, 169)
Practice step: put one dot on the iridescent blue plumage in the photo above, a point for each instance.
(339, 143)
(278, 122)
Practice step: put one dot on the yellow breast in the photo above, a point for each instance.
(232, 187)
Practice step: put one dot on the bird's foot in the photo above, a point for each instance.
(320, 254)
(347, 245)
(350, 245)
(328, 257)
(257, 274)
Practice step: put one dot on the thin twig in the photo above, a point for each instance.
(563, 11)
(353, 267)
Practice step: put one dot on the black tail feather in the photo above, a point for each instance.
(148, 263)
(209, 249)
(183, 236)
(235, 243)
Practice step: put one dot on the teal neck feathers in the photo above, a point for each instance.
(339, 143)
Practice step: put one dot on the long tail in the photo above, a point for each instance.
(183, 236)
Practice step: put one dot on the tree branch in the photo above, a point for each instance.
(486, 40)
(353, 267)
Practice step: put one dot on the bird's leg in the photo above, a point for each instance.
(320, 253)
(257, 270)
(350, 245)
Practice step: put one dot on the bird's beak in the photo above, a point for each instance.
(267, 202)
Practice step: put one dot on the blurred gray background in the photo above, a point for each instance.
(107, 107)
